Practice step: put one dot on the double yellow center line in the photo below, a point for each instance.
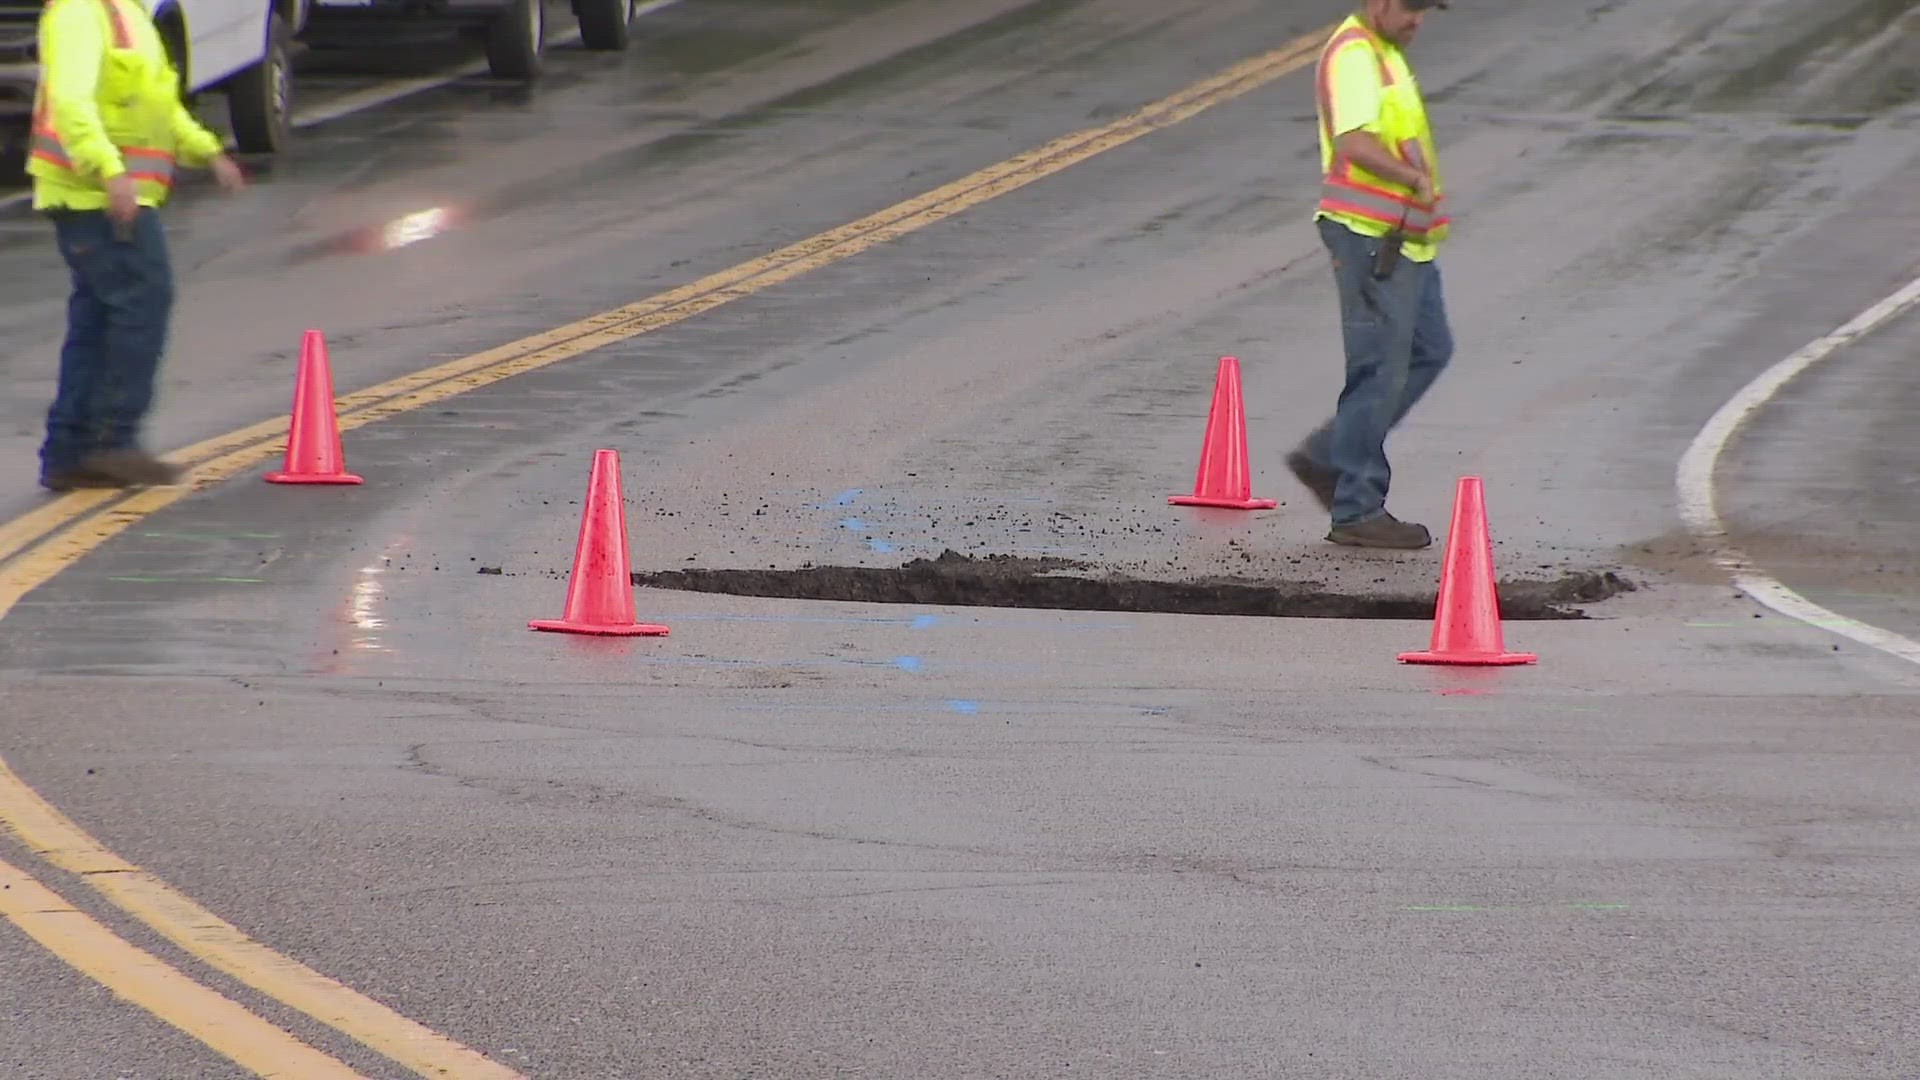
(37, 546)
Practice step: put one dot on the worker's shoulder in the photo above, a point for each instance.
(1348, 34)
(1352, 43)
(73, 15)
(1354, 59)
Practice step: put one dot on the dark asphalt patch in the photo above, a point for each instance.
(1004, 581)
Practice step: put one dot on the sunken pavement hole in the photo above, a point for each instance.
(1006, 581)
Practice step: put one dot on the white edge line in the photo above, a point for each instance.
(387, 93)
(1698, 464)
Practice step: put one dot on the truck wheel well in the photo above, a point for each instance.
(294, 12)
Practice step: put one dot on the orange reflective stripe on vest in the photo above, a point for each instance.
(1345, 190)
(1346, 194)
(145, 164)
(46, 145)
(153, 166)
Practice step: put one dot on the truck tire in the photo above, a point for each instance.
(516, 40)
(260, 98)
(13, 154)
(604, 23)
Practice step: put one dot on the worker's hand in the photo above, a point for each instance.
(123, 199)
(229, 174)
(1423, 190)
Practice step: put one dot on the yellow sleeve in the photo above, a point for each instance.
(193, 143)
(72, 41)
(1353, 88)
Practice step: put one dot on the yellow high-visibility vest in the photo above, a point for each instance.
(1368, 204)
(108, 102)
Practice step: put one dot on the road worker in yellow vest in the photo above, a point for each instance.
(1382, 217)
(109, 132)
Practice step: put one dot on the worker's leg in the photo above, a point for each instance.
(1433, 350)
(139, 312)
(71, 423)
(1377, 320)
(1432, 340)
(132, 278)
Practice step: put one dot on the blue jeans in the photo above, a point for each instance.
(117, 318)
(1397, 343)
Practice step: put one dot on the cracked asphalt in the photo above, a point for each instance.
(835, 839)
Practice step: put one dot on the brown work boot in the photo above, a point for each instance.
(1317, 480)
(1385, 531)
(71, 479)
(132, 467)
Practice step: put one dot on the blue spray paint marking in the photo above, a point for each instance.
(879, 545)
(845, 498)
(1050, 707)
(723, 661)
(918, 622)
(904, 663)
(852, 523)
(716, 617)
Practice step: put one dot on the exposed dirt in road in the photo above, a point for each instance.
(1006, 581)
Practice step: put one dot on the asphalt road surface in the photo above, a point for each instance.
(833, 838)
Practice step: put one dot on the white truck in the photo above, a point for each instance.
(240, 48)
(514, 32)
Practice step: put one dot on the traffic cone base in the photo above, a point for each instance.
(1470, 659)
(313, 478)
(1466, 615)
(314, 454)
(1224, 477)
(1224, 504)
(600, 589)
(563, 626)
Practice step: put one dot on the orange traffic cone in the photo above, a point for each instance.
(1224, 478)
(600, 593)
(1466, 620)
(314, 455)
